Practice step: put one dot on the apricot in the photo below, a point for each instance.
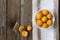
(24, 33)
(49, 16)
(45, 12)
(21, 28)
(29, 28)
(44, 25)
(39, 22)
(44, 19)
(49, 22)
(38, 16)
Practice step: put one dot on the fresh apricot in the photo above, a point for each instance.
(44, 19)
(39, 22)
(49, 22)
(49, 16)
(21, 28)
(45, 12)
(44, 25)
(29, 28)
(24, 33)
(38, 16)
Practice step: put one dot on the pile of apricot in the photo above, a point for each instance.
(44, 19)
(24, 31)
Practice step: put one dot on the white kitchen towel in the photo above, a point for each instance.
(49, 34)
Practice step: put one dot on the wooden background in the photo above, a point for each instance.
(10, 12)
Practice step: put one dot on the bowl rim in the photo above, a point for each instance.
(52, 19)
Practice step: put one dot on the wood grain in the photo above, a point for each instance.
(26, 16)
(10, 13)
(2, 19)
(13, 8)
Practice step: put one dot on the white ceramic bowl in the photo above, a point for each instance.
(53, 19)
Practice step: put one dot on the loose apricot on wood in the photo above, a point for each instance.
(21, 28)
(24, 33)
(29, 28)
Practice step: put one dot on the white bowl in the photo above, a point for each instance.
(52, 19)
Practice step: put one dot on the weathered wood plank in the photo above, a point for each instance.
(2, 19)
(26, 16)
(13, 8)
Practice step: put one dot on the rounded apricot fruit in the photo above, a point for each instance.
(21, 28)
(44, 25)
(49, 16)
(39, 22)
(44, 19)
(45, 12)
(38, 16)
(24, 33)
(49, 22)
(29, 28)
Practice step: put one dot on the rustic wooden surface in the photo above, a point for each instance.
(26, 16)
(10, 13)
(2, 19)
(13, 11)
